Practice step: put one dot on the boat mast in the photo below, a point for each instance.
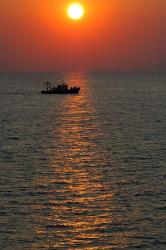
(48, 85)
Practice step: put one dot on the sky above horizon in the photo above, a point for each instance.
(37, 35)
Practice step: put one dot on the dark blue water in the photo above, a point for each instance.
(84, 171)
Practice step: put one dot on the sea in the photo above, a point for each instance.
(83, 171)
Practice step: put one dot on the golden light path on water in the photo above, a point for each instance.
(79, 197)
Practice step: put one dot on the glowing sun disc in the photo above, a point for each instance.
(75, 11)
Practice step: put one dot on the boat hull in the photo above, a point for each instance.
(57, 92)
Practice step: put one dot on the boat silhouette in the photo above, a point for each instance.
(60, 88)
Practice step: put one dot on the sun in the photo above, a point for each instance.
(75, 11)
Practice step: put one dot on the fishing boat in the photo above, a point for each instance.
(59, 88)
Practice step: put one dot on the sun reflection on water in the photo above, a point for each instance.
(78, 213)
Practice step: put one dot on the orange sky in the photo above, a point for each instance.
(37, 35)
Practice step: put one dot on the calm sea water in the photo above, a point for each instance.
(84, 171)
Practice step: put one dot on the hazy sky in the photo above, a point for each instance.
(37, 35)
